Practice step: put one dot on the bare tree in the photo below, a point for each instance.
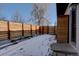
(38, 12)
(44, 22)
(17, 17)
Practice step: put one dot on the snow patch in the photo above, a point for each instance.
(36, 46)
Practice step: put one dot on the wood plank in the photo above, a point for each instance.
(33, 30)
(27, 30)
(62, 29)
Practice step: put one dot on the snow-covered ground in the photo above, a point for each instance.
(36, 46)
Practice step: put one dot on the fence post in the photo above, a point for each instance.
(39, 30)
(22, 30)
(54, 29)
(43, 30)
(8, 30)
(36, 29)
(31, 29)
(47, 29)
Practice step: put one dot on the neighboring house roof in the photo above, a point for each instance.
(61, 8)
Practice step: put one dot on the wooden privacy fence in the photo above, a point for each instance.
(13, 30)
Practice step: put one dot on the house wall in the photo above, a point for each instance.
(70, 22)
(70, 28)
(77, 29)
(67, 12)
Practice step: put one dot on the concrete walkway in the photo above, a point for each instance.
(63, 49)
